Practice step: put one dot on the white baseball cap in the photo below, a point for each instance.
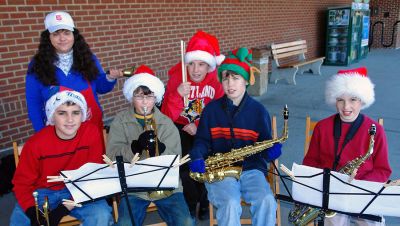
(59, 20)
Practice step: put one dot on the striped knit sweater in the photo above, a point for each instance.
(224, 126)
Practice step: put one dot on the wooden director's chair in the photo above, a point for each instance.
(273, 181)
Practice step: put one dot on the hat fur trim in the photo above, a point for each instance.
(350, 84)
(61, 98)
(203, 56)
(144, 79)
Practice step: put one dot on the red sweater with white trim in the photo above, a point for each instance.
(45, 154)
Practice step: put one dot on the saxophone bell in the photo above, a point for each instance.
(159, 194)
(330, 214)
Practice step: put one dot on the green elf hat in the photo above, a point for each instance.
(239, 61)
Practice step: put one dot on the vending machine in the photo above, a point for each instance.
(347, 34)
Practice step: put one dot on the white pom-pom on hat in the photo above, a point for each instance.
(351, 82)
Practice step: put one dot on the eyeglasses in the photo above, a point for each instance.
(142, 97)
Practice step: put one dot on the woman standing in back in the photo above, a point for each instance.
(64, 59)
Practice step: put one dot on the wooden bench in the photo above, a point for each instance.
(293, 55)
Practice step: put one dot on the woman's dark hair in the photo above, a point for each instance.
(43, 61)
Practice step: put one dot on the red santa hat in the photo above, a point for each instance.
(204, 47)
(144, 76)
(351, 82)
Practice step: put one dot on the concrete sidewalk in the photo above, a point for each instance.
(307, 98)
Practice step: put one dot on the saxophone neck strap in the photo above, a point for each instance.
(337, 130)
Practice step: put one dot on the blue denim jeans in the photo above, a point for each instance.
(173, 210)
(253, 188)
(93, 213)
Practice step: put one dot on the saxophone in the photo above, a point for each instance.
(220, 165)
(301, 214)
(148, 125)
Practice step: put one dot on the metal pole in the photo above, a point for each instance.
(124, 187)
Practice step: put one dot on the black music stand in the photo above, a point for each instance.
(327, 176)
(122, 178)
(124, 187)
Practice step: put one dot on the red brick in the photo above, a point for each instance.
(148, 31)
(392, 7)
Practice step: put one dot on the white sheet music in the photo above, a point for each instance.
(103, 180)
(386, 204)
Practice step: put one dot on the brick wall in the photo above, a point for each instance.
(392, 7)
(143, 32)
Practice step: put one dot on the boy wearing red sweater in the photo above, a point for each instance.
(66, 143)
